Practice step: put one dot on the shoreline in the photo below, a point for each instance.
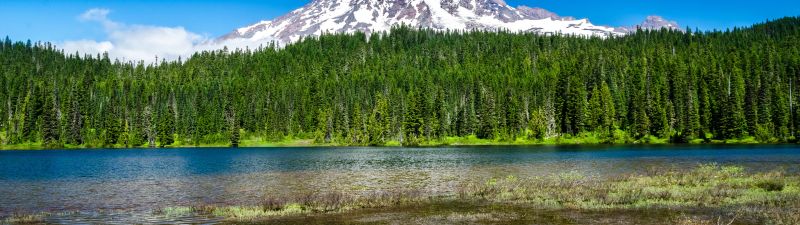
(459, 142)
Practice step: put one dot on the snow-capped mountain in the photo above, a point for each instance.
(651, 23)
(347, 16)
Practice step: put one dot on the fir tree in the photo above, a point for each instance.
(512, 115)
(486, 115)
(379, 121)
(112, 124)
(166, 128)
(412, 122)
(76, 117)
(50, 126)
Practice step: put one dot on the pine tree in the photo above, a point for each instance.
(112, 124)
(575, 107)
(166, 127)
(597, 115)
(50, 126)
(737, 126)
(33, 114)
(512, 115)
(705, 115)
(379, 121)
(235, 133)
(441, 115)
(609, 110)
(233, 125)
(781, 112)
(149, 130)
(358, 127)
(639, 120)
(324, 126)
(486, 116)
(412, 125)
(76, 117)
(537, 125)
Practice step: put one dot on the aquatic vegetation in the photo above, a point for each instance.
(24, 219)
(706, 186)
(176, 211)
(251, 213)
(771, 197)
(298, 205)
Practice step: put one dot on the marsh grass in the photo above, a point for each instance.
(773, 197)
(24, 219)
(281, 206)
(178, 211)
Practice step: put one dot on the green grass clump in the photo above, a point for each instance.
(242, 213)
(177, 211)
(706, 186)
(300, 205)
(771, 196)
(25, 219)
(771, 185)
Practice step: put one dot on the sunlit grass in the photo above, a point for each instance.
(706, 186)
(24, 219)
(178, 211)
(770, 195)
(251, 213)
(304, 140)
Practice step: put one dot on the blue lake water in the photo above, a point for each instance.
(138, 181)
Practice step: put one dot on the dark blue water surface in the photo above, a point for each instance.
(145, 179)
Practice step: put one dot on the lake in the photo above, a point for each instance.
(126, 186)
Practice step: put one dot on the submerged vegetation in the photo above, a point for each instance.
(757, 198)
(416, 87)
(707, 194)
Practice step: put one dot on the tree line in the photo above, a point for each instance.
(415, 87)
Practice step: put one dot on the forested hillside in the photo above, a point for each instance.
(416, 87)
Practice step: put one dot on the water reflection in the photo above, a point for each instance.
(129, 184)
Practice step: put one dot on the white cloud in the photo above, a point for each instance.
(87, 47)
(144, 42)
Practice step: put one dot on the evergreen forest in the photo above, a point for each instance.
(416, 87)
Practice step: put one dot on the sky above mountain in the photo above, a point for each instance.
(97, 24)
(59, 20)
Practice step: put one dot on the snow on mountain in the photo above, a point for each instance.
(651, 23)
(369, 16)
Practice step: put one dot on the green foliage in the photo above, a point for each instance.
(537, 125)
(112, 124)
(771, 185)
(486, 115)
(50, 127)
(235, 135)
(166, 128)
(379, 123)
(416, 87)
(413, 119)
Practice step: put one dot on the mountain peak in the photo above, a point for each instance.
(652, 22)
(658, 22)
(369, 16)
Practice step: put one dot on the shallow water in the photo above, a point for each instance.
(126, 186)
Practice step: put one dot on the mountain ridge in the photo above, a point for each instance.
(369, 16)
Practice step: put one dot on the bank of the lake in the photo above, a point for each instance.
(472, 140)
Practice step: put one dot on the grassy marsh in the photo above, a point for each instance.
(708, 194)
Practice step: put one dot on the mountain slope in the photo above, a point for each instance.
(348, 16)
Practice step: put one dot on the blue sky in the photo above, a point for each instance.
(144, 29)
(57, 20)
